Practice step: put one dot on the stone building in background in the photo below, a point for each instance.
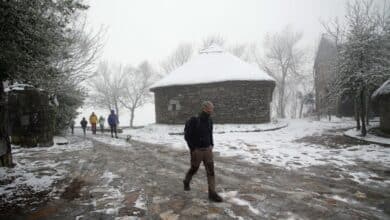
(31, 116)
(241, 92)
(381, 98)
(324, 73)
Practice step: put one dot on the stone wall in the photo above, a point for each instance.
(234, 101)
(5, 145)
(384, 108)
(31, 118)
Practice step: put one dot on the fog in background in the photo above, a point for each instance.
(140, 30)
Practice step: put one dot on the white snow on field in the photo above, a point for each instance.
(111, 141)
(109, 176)
(35, 170)
(232, 197)
(273, 147)
(141, 201)
(369, 137)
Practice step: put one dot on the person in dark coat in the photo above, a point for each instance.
(71, 125)
(113, 122)
(83, 124)
(201, 148)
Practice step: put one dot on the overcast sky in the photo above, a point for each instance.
(151, 29)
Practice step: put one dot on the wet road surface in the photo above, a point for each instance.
(139, 180)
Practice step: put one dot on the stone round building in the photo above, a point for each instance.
(241, 92)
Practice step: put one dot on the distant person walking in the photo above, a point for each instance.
(71, 125)
(83, 124)
(101, 123)
(93, 120)
(113, 122)
(198, 133)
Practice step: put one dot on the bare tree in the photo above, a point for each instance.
(84, 49)
(180, 56)
(241, 51)
(282, 60)
(136, 92)
(107, 86)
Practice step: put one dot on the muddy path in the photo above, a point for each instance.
(145, 181)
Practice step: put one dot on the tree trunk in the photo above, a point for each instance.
(363, 110)
(301, 109)
(117, 111)
(368, 109)
(132, 112)
(281, 96)
(357, 114)
(5, 144)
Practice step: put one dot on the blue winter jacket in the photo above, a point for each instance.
(112, 119)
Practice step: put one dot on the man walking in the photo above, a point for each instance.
(199, 136)
(113, 122)
(93, 120)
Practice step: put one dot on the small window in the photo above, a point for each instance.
(174, 105)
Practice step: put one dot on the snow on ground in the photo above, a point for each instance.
(111, 141)
(369, 137)
(34, 171)
(278, 147)
(112, 197)
(232, 197)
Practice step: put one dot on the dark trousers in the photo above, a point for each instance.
(113, 130)
(197, 157)
(93, 126)
(84, 129)
(102, 128)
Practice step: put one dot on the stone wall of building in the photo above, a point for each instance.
(324, 74)
(384, 111)
(234, 101)
(5, 145)
(31, 118)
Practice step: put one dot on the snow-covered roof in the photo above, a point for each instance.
(384, 89)
(17, 87)
(213, 65)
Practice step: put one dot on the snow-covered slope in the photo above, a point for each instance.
(213, 65)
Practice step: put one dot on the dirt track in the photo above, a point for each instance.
(144, 180)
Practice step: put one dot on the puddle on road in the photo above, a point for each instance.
(73, 190)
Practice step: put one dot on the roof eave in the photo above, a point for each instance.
(152, 89)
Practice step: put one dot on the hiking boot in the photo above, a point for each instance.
(186, 186)
(213, 196)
